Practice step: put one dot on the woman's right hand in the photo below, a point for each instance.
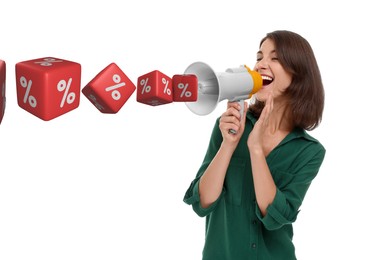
(231, 120)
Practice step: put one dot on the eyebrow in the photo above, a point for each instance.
(260, 52)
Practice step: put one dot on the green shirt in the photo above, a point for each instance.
(235, 228)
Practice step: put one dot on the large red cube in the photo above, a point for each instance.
(154, 88)
(2, 89)
(109, 89)
(48, 87)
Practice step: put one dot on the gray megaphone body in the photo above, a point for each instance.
(235, 84)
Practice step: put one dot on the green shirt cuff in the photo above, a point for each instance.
(192, 198)
(278, 213)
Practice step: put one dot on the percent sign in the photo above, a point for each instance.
(115, 93)
(144, 84)
(166, 89)
(96, 103)
(68, 97)
(47, 61)
(184, 90)
(28, 85)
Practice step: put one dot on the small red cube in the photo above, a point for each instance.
(154, 88)
(109, 89)
(185, 88)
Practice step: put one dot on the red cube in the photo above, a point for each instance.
(48, 87)
(109, 89)
(2, 89)
(185, 88)
(154, 88)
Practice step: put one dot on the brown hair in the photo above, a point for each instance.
(305, 93)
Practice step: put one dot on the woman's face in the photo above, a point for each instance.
(275, 78)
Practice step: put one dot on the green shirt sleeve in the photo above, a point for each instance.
(288, 199)
(192, 194)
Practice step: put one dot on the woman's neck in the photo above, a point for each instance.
(280, 119)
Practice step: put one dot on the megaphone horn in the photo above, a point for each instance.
(236, 84)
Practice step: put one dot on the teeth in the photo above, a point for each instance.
(264, 77)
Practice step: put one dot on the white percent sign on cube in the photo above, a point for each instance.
(146, 88)
(67, 97)
(96, 103)
(184, 90)
(166, 89)
(47, 62)
(115, 93)
(27, 97)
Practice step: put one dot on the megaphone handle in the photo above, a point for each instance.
(241, 103)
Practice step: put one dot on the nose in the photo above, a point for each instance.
(261, 64)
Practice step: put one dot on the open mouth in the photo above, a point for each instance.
(266, 80)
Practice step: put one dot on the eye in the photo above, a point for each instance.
(275, 58)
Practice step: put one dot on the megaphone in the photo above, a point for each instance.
(235, 84)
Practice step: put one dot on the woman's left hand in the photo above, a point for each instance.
(255, 139)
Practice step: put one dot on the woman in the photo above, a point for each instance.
(251, 184)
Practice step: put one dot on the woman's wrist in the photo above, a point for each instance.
(255, 150)
(228, 146)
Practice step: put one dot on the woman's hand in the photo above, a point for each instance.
(231, 120)
(255, 139)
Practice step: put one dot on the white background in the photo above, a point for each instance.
(88, 185)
